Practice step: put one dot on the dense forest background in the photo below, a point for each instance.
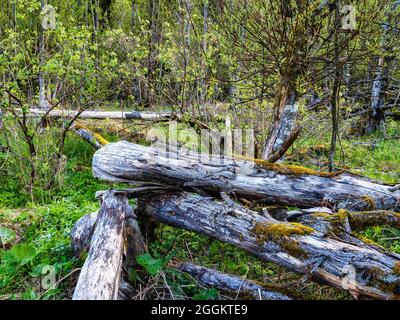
(336, 63)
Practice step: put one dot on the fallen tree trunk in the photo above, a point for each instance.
(81, 234)
(350, 265)
(100, 275)
(94, 139)
(230, 284)
(92, 114)
(135, 244)
(254, 180)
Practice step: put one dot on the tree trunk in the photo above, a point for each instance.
(376, 118)
(203, 81)
(284, 128)
(92, 114)
(335, 91)
(342, 260)
(135, 244)
(154, 12)
(258, 180)
(81, 234)
(94, 139)
(42, 88)
(100, 275)
(233, 285)
(377, 114)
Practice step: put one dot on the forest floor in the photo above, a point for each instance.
(36, 234)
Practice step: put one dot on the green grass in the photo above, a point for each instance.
(378, 158)
(44, 227)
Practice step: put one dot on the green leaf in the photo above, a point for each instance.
(20, 254)
(37, 270)
(207, 294)
(4, 281)
(29, 294)
(6, 235)
(151, 266)
(8, 269)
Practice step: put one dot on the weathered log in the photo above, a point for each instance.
(254, 180)
(357, 219)
(81, 234)
(82, 231)
(148, 189)
(100, 275)
(231, 284)
(126, 290)
(347, 264)
(135, 243)
(94, 139)
(93, 114)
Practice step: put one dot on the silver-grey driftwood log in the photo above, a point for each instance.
(127, 162)
(359, 268)
(94, 114)
(100, 275)
(81, 233)
(230, 283)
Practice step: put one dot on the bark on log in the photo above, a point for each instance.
(358, 220)
(94, 139)
(100, 275)
(126, 290)
(253, 180)
(346, 264)
(285, 128)
(82, 231)
(81, 234)
(135, 243)
(92, 114)
(231, 284)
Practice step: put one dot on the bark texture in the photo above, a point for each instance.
(285, 128)
(230, 284)
(92, 114)
(82, 232)
(253, 180)
(100, 275)
(340, 260)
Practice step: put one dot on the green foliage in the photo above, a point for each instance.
(19, 255)
(151, 266)
(385, 236)
(207, 294)
(11, 260)
(43, 228)
(6, 235)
